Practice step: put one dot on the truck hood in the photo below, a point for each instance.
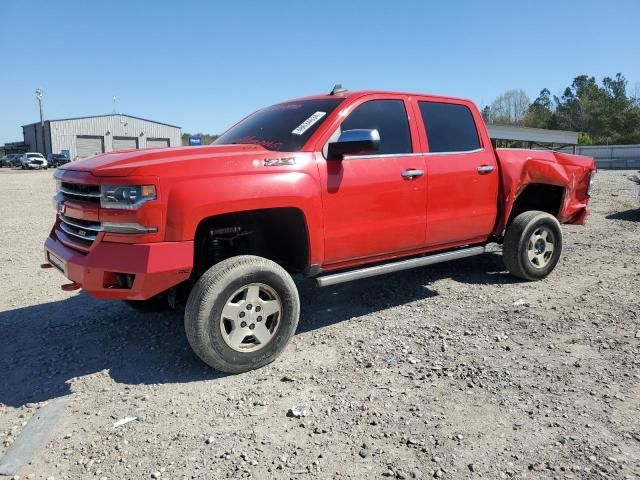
(125, 162)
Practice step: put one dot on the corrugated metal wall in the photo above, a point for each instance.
(34, 139)
(29, 134)
(620, 157)
(64, 133)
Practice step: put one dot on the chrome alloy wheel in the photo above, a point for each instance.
(251, 317)
(540, 247)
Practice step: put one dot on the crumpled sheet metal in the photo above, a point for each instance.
(520, 168)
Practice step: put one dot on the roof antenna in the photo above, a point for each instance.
(337, 88)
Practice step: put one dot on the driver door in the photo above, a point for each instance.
(371, 206)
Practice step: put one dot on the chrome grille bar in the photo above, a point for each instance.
(93, 227)
(69, 231)
(79, 194)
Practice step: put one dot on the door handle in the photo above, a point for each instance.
(412, 173)
(484, 169)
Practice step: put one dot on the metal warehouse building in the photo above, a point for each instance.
(85, 136)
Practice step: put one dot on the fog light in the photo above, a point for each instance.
(122, 281)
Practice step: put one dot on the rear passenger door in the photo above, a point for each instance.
(371, 208)
(461, 173)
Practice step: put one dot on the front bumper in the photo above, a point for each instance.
(156, 267)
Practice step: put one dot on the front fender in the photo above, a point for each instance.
(192, 200)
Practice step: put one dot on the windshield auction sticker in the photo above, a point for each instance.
(308, 123)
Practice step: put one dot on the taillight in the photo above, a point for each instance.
(591, 177)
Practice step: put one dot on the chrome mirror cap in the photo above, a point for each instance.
(357, 141)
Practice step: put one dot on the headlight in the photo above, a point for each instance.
(126, 196)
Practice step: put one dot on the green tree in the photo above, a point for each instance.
(604, 113)
(584, 139)
(541, 112)
(486, 114)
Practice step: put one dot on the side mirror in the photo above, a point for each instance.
(361, 141)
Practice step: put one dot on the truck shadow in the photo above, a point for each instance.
(632, 215)
(44, 347)
(322, 307)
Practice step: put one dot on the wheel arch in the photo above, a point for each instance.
(280, 234)
(544, 197)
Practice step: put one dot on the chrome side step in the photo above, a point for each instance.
(335, 278)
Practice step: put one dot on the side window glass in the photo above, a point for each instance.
(389, 117)
(450, 127)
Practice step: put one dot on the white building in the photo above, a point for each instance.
(85, 136)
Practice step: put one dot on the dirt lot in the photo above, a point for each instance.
(453, 371)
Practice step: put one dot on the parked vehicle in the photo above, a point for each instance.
(55, 160)
(15, 161)
(33, 161)
(338, 187)
(10, 160)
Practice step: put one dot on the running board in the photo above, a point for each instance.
(333, 279)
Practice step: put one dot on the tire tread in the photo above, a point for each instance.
(511, 247)
(209, 287)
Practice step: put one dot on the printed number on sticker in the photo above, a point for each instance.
(308, 123)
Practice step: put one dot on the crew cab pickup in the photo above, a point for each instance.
(336, 187)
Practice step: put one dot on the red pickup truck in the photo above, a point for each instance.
(337, 187)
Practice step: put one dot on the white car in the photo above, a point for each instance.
(33, 160)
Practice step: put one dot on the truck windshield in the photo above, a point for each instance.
(284, 127)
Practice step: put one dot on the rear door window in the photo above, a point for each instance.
(449, 127)
(389, 117)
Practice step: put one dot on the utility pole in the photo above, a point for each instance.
(39, 96)
(114, 104)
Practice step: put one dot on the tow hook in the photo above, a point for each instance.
(70, 287)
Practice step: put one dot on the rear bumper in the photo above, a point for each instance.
(156, 267)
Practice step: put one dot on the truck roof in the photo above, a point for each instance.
(361, 93)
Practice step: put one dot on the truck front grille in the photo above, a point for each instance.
(80, 192)
(78, 233)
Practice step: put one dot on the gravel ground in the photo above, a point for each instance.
(453, 371)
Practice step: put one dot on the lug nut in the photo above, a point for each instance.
(241, 314)
(259, 319)
(249, 307)
(258, 308)
(252, 326)
(243, 324)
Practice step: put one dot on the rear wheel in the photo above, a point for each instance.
(241, 313)
(532, 245)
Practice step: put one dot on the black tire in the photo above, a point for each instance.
(516, 246)
(210, 295)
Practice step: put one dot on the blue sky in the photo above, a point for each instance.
(203, 65)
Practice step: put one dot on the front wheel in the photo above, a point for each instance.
(241, 313)
(532, 245)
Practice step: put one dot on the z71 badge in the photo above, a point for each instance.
(276, 162)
